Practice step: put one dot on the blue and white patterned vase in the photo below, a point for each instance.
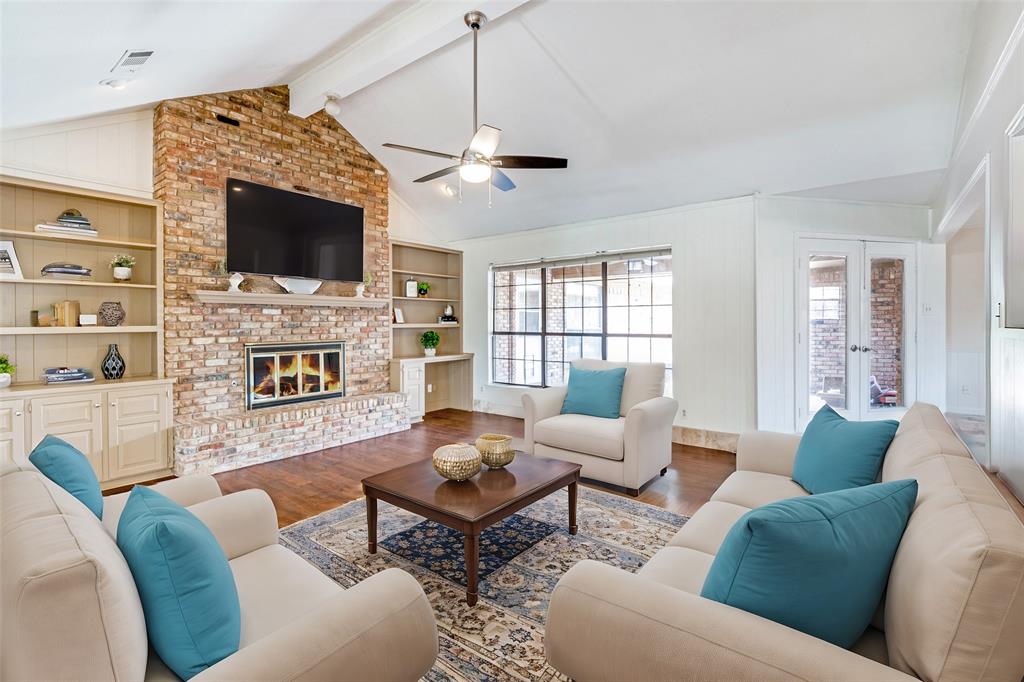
(113, 365)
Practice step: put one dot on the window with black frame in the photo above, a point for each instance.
(613, 307)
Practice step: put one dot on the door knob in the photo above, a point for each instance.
(865, 349)
(855, 348)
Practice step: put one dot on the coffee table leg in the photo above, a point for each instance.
(472, 550)
(572, 507)
(371, 523)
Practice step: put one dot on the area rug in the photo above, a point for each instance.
(521, 559)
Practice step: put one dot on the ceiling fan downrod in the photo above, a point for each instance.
(475, 20)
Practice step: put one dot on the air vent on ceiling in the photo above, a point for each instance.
(131, 61)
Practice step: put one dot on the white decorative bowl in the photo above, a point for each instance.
(299, 285)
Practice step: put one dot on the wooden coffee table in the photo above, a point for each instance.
(470, 506)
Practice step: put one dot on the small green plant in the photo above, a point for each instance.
(368, 279)
(122, 260)
(7, 368)
(423, 288)
(430, 339)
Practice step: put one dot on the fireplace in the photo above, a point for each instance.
(277, 374)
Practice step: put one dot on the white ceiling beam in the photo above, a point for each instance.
(425, 27)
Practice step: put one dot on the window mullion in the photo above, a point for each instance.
(544, 327)
(604, 310)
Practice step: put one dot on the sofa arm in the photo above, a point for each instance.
(767, 452)
(381, 629)
(186, 491)
(647, 440)
(607, 624)
(242, 522)
(537, 405)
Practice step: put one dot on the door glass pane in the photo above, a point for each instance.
(885, 383)
(826, 333)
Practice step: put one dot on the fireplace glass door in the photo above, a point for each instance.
(280, 374)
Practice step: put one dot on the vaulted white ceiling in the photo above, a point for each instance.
(655, 104)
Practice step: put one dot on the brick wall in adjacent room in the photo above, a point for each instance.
(194, 155)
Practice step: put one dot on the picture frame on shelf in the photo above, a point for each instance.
(10, 268)
(399, 316)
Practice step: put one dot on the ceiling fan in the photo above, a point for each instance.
(478, 162)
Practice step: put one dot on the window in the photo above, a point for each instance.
(826, 303)
(547, 315)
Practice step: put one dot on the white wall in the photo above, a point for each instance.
(713, 297)
(111, 153)
(966, 340)
(780, 222)
(403, 223)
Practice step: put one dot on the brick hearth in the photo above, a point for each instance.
(194, 155)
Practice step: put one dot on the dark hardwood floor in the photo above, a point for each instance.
(306, 485)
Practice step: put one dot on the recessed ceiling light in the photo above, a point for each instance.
(447, 189)
(115, 83)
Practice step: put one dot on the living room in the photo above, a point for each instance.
(508, 340)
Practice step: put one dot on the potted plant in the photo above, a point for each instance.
(361, 287)
(423, 288)
(430, 340)
(123, 265)
(6, 370)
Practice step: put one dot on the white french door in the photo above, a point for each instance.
(855, 328)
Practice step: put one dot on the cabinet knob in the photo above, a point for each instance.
(96, 404)
(17, 414)
(113, 404)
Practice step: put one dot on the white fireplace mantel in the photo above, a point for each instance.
(245, 298)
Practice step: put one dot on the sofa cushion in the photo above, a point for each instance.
(595, 392)
(644, 380)
(679, 567)
(817, 564)
(299, 589)
(63, 464)
(754, 489)
(582, 433)
(69, 604)
(187, 589)
(923, 433)
(706, 529)
(835, 454)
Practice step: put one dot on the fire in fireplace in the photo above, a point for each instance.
(286, 373)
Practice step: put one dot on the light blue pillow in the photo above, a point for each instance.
(818, 564)
(66, 466)
(187, 590)
(835, 454)
(597, 392)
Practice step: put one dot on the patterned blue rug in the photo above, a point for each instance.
(521, 559)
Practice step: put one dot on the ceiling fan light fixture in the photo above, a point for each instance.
(474, 171)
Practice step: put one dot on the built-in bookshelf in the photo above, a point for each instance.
(125, 225)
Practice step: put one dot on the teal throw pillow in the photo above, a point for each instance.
(187, 589)
(66, 466)
(835, 454)
(596, 392)
(818, 564)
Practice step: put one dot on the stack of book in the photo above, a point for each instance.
(68, 223)
(67, 375)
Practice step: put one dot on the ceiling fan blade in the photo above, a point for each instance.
(486, 140)
(501, 181)
(417, 150)
(437, 174)
(530, 162)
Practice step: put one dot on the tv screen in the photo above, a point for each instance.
(276, 232)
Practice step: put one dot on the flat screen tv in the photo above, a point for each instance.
(276, 232)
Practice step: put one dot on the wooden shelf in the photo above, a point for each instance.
(124, 329)
(425, 325)
(243, 298)
(397, 271)
(99, 383)
(427, 298)
(77, 283)
(444, 357)
(61, 237)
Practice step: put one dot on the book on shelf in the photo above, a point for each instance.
(67, 229)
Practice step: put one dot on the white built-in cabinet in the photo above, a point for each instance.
(123, 429)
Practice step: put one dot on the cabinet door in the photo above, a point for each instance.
(138, 422)
(12, 430)
(76, 418)
(412, 386)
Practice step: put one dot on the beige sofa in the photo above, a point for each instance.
(71, 610)
(954, 609)
(628, 451)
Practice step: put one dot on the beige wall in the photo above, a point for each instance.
(965, 322)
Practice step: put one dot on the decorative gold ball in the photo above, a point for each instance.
(495, 449)
(457, 462)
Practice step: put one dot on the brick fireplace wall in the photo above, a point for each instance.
(194, 155)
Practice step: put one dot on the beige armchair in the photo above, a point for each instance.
(628, 451)
(65, 581)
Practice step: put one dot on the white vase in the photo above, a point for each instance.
(430, 352)
(122, 273)
(234, 280)
(299, 285)
(360, 289)
(5, 380)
